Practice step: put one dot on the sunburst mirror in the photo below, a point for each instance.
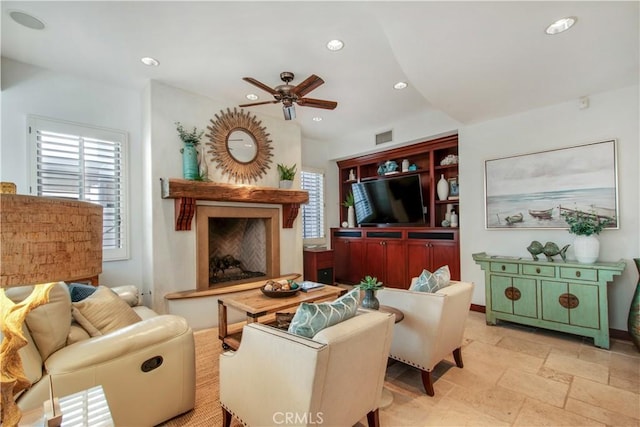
(239, 145)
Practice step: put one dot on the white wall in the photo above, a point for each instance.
(611, 115)
(162, 260)
(174, 258)
(29, 90)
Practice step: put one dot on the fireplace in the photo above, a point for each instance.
(236, 245)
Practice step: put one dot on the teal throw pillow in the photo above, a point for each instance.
(311, 318)
(80, 291)
(432, 282)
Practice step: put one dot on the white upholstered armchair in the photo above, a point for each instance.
(433, 326)
(333, 379)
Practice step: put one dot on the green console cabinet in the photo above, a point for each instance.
(558, 295)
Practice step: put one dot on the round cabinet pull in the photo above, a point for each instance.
(512, 293)
(568, 301)
(577, 274)
(538, 270)
(503, 268)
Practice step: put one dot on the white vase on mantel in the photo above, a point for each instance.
(443, 188)
(351, 217)
(586, 249)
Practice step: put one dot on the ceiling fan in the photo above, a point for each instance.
(289, 94)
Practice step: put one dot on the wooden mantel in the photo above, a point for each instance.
(186, 193)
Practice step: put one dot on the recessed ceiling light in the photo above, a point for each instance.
(561, 25)
(317, 119)
(147, 60)
(252, 96)
(26, 20)
(400, 85)
(335, 45)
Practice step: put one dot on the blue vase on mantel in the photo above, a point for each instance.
(633, 321)
(190, 161)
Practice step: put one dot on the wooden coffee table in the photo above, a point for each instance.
(261, 308)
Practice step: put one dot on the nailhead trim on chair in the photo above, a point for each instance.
(400, 359)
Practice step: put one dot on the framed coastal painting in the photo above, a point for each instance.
(532, 190)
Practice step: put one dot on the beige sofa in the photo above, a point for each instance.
(147, 369)
(432, 328)
(333, 379)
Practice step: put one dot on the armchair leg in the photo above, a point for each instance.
(373, 419)
(457, 355)
(427, 383)
(226, 418)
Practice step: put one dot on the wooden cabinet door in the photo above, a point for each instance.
(374, 259)
(347, 259)
(418, 258)
(445, 253)
(395, 260)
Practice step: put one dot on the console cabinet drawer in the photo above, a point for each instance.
(539, 270)
(504, 267)
(578, 274)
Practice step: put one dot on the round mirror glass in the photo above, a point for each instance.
(242, 146)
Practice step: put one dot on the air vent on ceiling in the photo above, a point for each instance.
(384, 137)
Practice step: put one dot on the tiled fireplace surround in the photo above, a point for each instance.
(249, 235)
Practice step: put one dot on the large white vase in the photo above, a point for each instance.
(443, 188)
(586, 248)
(351, 217)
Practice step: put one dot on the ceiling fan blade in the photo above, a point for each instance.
(317, 103)
(260, 85)
(258, 103)
(308, 85)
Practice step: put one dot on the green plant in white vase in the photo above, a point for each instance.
(349, 203)
(287, 174)
(586, 226)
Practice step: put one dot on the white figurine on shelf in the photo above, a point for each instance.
(352, 175)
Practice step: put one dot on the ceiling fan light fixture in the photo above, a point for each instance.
(561, 25)
(289, 112)
(149, 61)
(252, 97)
(335, 45)
(400, 85)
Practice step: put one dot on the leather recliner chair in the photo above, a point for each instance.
(146, 369)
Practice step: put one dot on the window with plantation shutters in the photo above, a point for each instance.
(313, 211)
(85, 163)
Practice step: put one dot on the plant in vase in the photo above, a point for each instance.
(287, 173)
(349, 203)
(370, 285)
(190, 141)
(586, 226)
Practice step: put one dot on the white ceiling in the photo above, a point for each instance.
(472, 60)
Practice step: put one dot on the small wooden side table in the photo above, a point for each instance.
(85, 408)
(318, 265)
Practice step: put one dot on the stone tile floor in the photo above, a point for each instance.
(521, 376)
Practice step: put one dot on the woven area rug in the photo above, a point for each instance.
(207, 410)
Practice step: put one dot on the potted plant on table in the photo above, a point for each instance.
(586, 226)
(370, 285)
(190, 140)
(287, 173)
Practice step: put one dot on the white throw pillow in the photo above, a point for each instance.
(103, 311)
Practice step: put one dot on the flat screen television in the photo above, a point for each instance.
(389, 201)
